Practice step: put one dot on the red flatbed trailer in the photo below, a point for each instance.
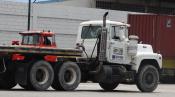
(33, 63)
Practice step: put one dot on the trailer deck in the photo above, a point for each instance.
(40, 50)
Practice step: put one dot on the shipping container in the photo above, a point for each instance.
(159, 31)
(144, 27)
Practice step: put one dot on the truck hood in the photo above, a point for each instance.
(144, 48)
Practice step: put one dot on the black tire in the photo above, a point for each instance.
(7, 80)
(147, 78)
(40, 76)
(7, 83)
(108, 86)
(67, 77)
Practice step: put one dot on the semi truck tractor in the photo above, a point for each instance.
(104, 54)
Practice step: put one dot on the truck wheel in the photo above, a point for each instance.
(41, 76)
(67, 77)
(7, 83)
(147, 78)
(7, 80)
(109, 86)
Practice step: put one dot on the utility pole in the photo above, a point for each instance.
(29, 14)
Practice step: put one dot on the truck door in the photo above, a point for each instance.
(117, 45)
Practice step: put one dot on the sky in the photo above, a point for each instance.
(26, 0)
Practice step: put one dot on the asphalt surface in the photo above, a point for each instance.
(93, 90)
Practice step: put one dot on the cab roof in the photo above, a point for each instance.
(37, 32)
(100, 22)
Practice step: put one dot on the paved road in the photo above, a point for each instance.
(93, 90)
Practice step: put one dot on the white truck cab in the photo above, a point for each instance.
(121, 48)
(122, 51)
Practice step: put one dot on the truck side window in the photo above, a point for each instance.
(47, 41)
(115, 33)
(30, 39)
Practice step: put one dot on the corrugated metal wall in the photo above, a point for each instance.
(157, 30)
(143, 26)
(167, 35)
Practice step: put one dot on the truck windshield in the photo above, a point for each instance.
(90, 32)
(30, 39)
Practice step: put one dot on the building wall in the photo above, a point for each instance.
(76, 3)
(12, 20)
(63, 20)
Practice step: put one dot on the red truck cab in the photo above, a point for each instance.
(38, 39)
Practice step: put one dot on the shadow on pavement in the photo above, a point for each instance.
(77, 91)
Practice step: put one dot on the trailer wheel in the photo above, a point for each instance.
(67, 77)
(109, 86)
(7, 78)
(41, 76)
(147, 78)
(7, 83)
